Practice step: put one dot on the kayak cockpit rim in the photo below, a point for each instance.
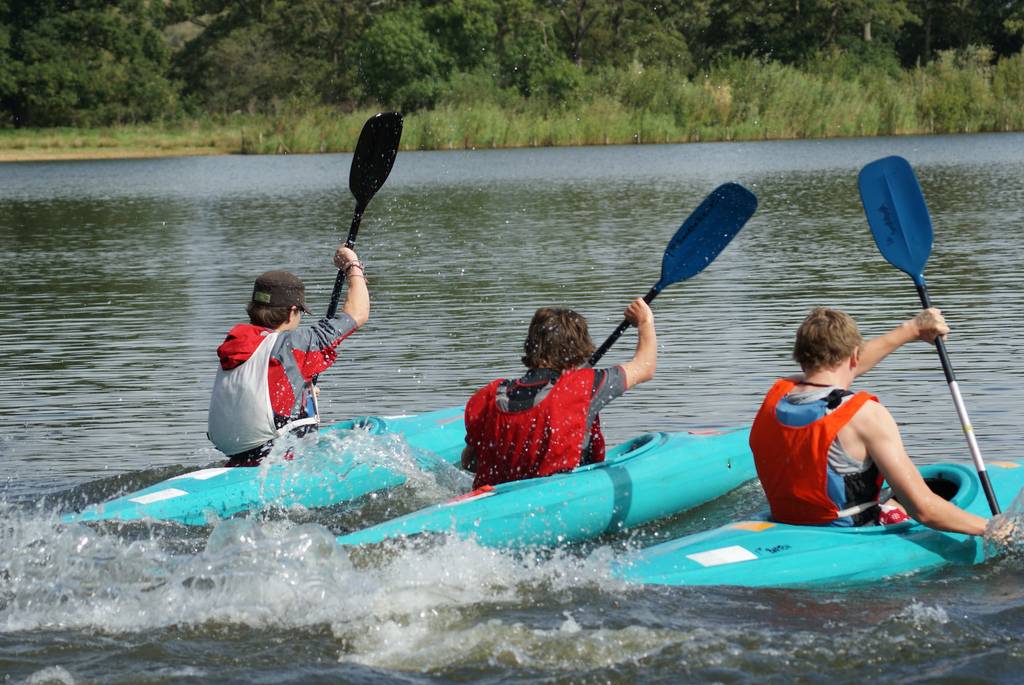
(374, 425)
(633, 447)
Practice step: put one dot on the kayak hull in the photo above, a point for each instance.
(320, 478)
(762, 553)
(644, 479)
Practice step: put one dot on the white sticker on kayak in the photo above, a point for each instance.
(169, 493)
(723, 555)
(205, 474)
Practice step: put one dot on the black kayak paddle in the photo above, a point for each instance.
(371, 163)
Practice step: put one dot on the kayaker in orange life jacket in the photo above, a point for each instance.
(264, 387)
(822, 452)
(547, 421)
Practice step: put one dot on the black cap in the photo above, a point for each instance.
(280, 289)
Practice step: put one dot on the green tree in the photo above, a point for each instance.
(942, 25)
(753, 28)
(466, 31)
(636, 32)
(241, 71)
(839, 22)
(400, 62)
(85, 63)
(797, 32)
(576, 18)
(957, 24)
(531, 58)
(1014, 20)
(321, 37)
(252, 55)
(8, 75)
(1001, 25)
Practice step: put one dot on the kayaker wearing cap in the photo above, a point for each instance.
(547, 421)
(822, 452)
(264, 386)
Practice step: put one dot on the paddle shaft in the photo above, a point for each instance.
(606, 345)
(350, 242)
(339, 280)
(961, 408)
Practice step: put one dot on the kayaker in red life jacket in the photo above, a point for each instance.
(547, 421)
(822, 452)
(264, 386)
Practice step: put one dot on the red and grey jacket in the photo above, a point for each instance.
(792, 461)
(545, 439)
(250, 406)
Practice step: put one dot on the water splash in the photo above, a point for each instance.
(52, 675)
(1004, 533)
(442, 639)
(431, 607)
(922, 615)
(325, 460)
(262, 574)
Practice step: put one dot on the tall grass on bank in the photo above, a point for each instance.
(960, 92)
(198, 136)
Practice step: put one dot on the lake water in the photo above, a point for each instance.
(120, 278)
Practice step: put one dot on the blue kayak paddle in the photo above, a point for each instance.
(902, 228)
(371, 163)
(697, 243)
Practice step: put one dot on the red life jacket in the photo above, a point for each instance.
(545, 439)
(792, 461)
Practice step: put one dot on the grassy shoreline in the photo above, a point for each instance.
(745, 102)
(129, 142)
(118, 142)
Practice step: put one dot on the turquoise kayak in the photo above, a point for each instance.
(332, 472)
(647, 478)
(760, 553)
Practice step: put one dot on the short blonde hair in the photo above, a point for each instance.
(825, 338)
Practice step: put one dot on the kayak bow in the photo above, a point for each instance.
(320, 477)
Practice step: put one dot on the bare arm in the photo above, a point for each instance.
(641, 367)
(357, 298)
(927, 326)
(881, 437)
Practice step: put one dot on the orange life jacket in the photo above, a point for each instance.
(792, 461)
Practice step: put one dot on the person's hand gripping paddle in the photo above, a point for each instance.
(374, 156)
(902, 229)
(697, 243)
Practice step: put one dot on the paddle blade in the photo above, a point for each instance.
(706, 232)
(375, 155)
(897, 214)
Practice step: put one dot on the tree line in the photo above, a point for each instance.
(98, 62)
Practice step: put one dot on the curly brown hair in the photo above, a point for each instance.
(266, 316)
(825, 338)
(558, 339)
